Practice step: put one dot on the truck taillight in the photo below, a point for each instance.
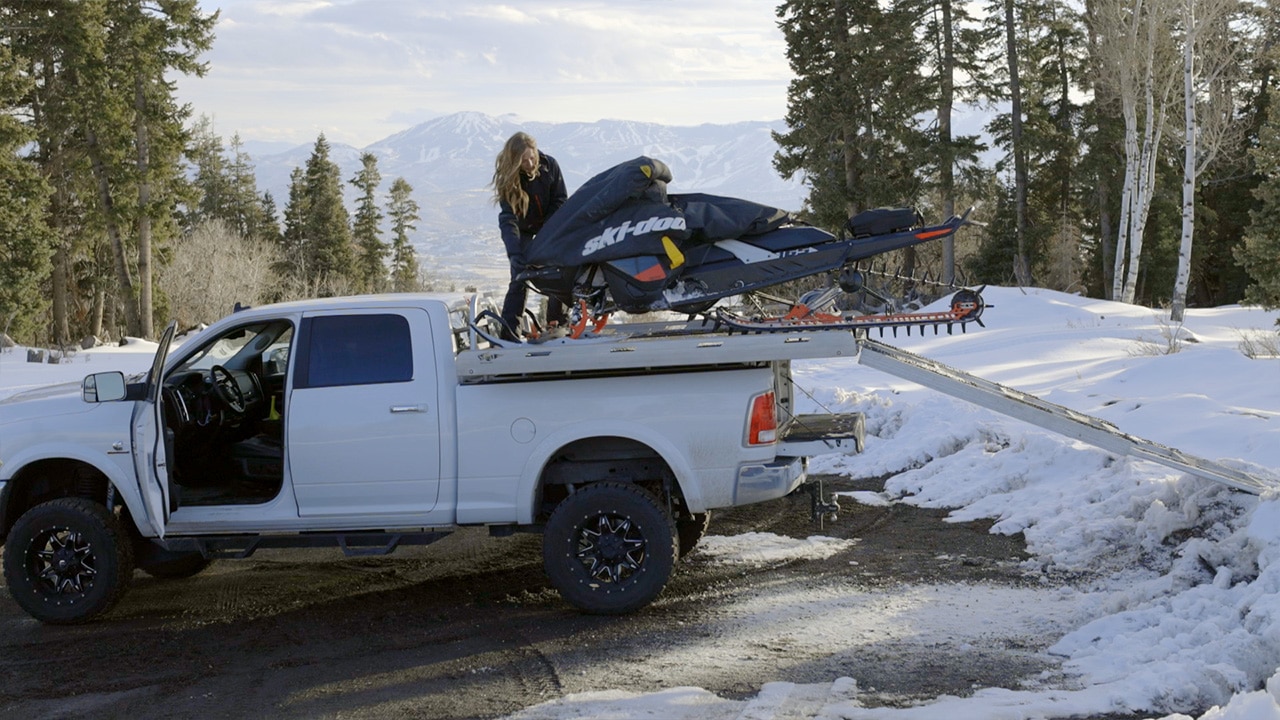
(762, 425)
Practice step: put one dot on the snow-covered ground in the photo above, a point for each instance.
(1163, 588)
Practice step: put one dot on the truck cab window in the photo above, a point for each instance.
(355, 350)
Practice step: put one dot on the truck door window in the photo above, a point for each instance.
(355, 350)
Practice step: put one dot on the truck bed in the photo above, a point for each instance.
(643, 347)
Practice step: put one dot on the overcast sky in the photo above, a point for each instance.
(360, 70)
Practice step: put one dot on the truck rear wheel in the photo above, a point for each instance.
(609, 548)
(690, 530)
(68, 561)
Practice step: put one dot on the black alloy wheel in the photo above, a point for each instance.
(609, 548)
(67, 561)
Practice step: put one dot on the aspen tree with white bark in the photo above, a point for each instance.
(1211, 63)
(1135, 54)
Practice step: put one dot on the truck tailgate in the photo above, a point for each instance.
(822, 433)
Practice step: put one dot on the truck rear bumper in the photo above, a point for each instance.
(807, 435)
(767, 481)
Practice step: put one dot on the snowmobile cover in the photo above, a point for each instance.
(625, 212)
(712, 217)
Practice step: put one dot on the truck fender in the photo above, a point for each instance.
(531, 478)
(110, 465)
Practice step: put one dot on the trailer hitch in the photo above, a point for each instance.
(820, 509)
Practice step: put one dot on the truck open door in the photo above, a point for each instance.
(150, 456)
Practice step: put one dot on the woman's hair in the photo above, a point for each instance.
(506, 173)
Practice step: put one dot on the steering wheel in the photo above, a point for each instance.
(227, 388)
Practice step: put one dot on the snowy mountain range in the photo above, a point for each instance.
(449, 162)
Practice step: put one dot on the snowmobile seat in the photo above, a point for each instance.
(789, 238)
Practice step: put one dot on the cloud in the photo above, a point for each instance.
(329, 63)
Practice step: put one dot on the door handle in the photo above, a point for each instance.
(408, 408)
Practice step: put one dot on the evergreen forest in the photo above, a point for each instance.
(1130, 151)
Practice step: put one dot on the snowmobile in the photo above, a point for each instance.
(621, 242)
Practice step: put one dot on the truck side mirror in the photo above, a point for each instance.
(103, 387)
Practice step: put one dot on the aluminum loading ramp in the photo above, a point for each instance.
(1062, 420)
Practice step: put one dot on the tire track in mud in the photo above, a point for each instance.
(229, 598)
(537, 671)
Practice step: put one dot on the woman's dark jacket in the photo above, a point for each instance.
(546, 195)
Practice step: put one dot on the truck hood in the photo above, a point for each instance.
(61, 399)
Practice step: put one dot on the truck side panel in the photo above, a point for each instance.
(694, 420)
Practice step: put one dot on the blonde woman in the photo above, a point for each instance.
(527, 187)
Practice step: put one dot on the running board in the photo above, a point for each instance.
(1059, 419)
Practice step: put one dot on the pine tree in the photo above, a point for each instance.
(27, 247)
(211, 182)
(1047, 39)
(104, 111)
(293, 239)
(269, 230)
(957, 71)
(1260, 253)
(996, 258)
(1103, 137)
(247, 213)
(225, 186)
(854, 108)
(147, 43)
(52, 42)
(403, 211)
(326, 227)
(371, 270)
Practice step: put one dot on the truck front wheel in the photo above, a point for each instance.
(67, 561)
(609, 548)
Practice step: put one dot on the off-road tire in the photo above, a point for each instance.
(68, 561)
(609, 548)
(690, 530)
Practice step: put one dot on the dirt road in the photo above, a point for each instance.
(469, 628)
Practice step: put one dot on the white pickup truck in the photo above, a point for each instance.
(372, 422)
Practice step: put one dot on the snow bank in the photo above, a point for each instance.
(1180, 574)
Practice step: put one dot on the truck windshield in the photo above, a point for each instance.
(234, 347)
